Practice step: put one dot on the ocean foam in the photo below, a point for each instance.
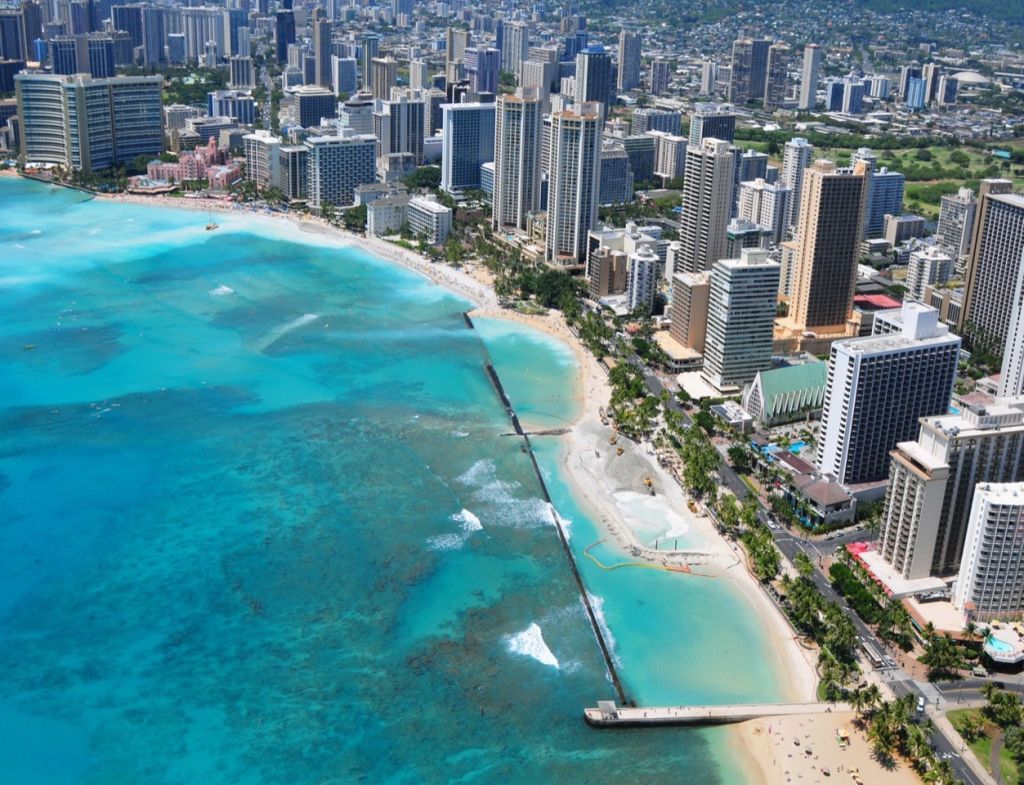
(446, 542)
(530, 643)
(221, 291)
(470, 523)
(509, 509)
(597, 603)
(279, 332)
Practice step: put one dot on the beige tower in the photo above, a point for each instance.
(828, 244)
(707, 203)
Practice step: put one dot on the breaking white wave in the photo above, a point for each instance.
(508, 508)
(459, 434)
(530, 643)
(597, 603)
(470, 523)
(221, 291)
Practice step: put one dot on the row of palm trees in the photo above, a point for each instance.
(892, 730)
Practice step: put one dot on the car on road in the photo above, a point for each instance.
(980, 671)
(920, 705)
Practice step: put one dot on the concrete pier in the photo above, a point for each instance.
(609, 715)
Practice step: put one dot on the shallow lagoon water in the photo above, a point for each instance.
(258, 524)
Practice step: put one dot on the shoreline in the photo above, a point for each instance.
(585, 475)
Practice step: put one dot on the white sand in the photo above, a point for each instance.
(770, 743)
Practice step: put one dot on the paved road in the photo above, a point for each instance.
(790, 545)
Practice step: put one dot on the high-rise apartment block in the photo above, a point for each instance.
(956, 222)
(645, 119)
(467, 139)
(515, 48)
(863, 419)
(993, 265)
(629, 60)
(573, 190)
(932, 484)
(991, 581)
(88, 124)
(777, 76)
(660, 77)
(809, 77)
(827, 248)
(765, 205)
(336, 165)
(741, 314)
(516, 158)
(688, 310)
(712, 121)
(796, 157)
(642, 279)
(707, 205)
(749, 69)
(398, 126)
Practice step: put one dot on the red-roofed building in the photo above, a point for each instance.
(875, 302)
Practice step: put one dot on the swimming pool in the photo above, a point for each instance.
(796, 447)
(998, 645)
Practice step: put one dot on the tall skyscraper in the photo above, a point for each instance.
(708, 77)
(659, 76)
(1011, 382)
(956, 222)
(990, 584)
(594, 77)
(992, 266)
(777, 76)
(467, 142)
(575, 153)
(707, 205)
(482, 67)
(932, 484)
(419, 75)
(642, 279)
(688, 310)
(344, 75)
(457, 41)
(629, 60)
(930, 73)
(241, 72)
(516, 158)
(322, 51)
(809, 77)
(515, 47)
(384, 76)
(749, 69)
(369, 47)
(711, 121)
(765, 205)
(741, 316)
(796, 157)
(336, 165)
(908, 72)
(827, 248)
(862, 420)
(398, 126)
(284, 34)
(89, 124)
(153, 35)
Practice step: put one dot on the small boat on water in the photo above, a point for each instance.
(211, 225)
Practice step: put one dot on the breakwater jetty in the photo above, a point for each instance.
(598, 633)
(609, 715)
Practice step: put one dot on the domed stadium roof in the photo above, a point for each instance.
(971, 77)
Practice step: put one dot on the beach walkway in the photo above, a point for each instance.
(609, 715)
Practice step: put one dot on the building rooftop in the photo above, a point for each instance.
(790, 379)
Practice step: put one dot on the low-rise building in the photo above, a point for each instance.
(782, 395)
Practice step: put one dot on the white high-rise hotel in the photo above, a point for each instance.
(707, 204)
(877, 389)
(574, 183)
(741, 315)
(991, 580)
(517, 158)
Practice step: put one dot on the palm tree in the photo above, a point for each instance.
(988, 690)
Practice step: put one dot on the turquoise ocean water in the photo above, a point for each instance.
(258, 524)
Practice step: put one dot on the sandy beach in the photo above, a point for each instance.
(609, 485)
(772, 743)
